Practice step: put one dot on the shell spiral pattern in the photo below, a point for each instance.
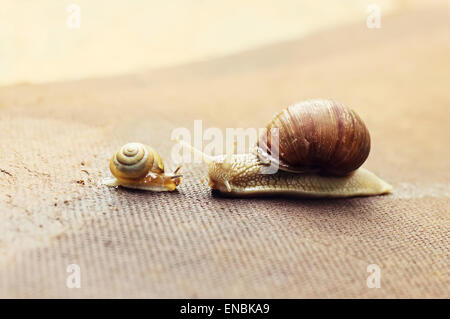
(135, 160)
(319, 136)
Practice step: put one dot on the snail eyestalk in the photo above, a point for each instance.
(205, 157)
(230, 152)
(176, 170)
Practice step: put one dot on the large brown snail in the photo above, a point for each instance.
(138, 166)
(321, 146)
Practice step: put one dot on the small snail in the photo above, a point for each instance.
(139, 166)
(321, 146)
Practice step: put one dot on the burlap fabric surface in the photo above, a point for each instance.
(56, 140)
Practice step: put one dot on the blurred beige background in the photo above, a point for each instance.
(116, 37)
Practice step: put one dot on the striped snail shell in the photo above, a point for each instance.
(318, 135)
(135, 160)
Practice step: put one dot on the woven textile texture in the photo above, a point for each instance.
(56, 140)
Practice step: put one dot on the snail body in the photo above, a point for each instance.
(242, 175)
(138, 166)
(321, 146)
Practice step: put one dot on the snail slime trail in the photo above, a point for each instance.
(322, 145)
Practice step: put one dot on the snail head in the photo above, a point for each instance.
(220, 168)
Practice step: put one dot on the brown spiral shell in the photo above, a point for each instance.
(318, 135)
